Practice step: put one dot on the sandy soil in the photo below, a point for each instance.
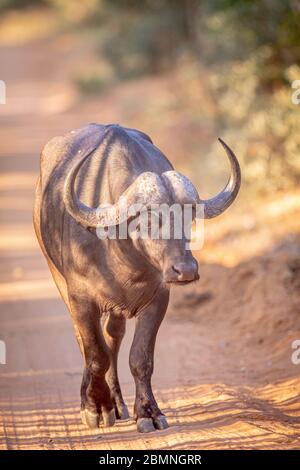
(223, 374)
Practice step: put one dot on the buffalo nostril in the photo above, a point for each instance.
(186, 271)
(177, 271)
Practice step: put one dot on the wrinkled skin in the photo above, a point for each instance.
(103, 282)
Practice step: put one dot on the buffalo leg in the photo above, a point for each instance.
(147, 413)
(96, 403)
(114, 330)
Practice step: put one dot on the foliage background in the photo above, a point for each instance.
(233, 60)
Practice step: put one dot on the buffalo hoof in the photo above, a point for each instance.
(122, 411)
(109, 418)
(152, 424)
(145, 425)
(160, 422)
(90, 419)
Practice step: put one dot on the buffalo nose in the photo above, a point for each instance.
(186, 271)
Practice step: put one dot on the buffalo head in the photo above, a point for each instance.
(138, 205)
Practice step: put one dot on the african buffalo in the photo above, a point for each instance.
(104, 281)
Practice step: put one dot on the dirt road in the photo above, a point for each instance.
(223, 373)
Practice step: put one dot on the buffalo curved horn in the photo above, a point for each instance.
(185, 192)
(219, 203)
(146, 189)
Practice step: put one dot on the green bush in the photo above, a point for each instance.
(145, 37)
(18, 4)
(91, 83)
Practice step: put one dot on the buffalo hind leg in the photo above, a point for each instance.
(113, 330)
(146, 411)
(96, 403)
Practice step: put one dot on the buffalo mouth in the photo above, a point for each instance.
(176, 282)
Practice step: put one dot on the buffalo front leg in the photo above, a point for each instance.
(147, 413)
(96, 402)
(113, 330)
